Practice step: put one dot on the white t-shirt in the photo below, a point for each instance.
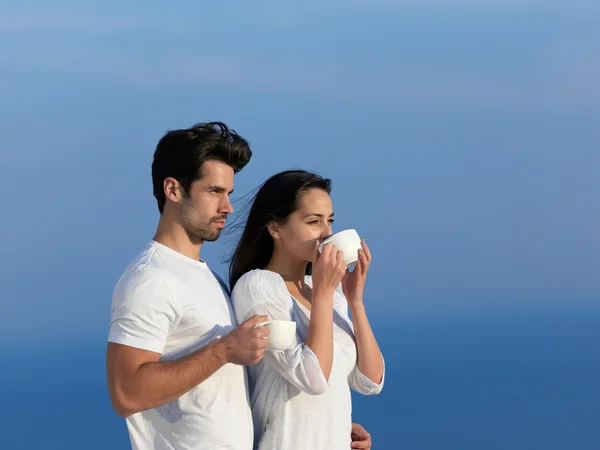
(170, 304)
(294, 407)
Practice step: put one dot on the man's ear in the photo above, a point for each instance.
(172, 189)
(273, 228)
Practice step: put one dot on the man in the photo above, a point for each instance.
(175, 357)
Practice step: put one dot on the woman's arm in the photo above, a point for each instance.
(370, 360)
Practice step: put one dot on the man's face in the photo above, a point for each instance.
(203, 212)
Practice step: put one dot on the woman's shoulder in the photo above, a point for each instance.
(260, 282)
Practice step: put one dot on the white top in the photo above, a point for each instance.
(170, 304)
(293, 406)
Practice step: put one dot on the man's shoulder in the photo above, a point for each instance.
(139, 278)
(142, 274)
(142, 262)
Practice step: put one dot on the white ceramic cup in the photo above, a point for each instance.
(348, 241)
(283, 333)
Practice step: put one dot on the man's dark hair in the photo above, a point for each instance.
(181, 153)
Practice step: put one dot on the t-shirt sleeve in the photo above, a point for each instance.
(143, 311)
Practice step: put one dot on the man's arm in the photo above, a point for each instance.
(137, 381)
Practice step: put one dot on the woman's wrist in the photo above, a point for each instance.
(356, 305)
(323, 294)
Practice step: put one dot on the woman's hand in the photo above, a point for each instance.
(328, 268)
(353, 283)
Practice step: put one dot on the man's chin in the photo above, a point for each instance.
(212, 237)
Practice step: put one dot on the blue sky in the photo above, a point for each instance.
(462, 138)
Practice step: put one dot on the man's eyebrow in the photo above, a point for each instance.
(216, 188)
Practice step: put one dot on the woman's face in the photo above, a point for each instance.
(310, 222)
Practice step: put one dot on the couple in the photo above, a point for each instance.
(176, 357)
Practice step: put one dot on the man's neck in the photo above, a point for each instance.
(175, 237)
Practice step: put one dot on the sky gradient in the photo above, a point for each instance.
(461, 137)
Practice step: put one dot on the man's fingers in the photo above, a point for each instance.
(262, 343)
(262, 332)
(359, 431)
(253, 321)
(360, 437)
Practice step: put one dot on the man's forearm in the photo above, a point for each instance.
(157, 383)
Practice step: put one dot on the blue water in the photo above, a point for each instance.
(519, 381)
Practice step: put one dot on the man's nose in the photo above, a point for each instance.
(227, 207)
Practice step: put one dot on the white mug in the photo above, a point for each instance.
(348, 242)
(283, 333)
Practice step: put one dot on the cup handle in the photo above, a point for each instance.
(262, 324)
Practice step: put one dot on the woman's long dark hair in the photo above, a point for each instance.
(276, 199)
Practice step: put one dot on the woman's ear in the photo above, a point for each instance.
(273, 228)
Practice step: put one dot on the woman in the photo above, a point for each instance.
(300, 397)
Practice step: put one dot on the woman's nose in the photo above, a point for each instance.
(326, 233)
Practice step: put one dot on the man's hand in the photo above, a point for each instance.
(360, 437)
(245, 345)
